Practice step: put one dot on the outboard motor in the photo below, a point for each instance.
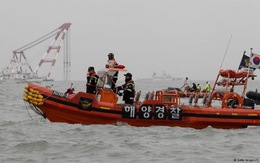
(255, 96)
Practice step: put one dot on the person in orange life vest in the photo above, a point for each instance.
(112, 63)
(128, 89)
(92, 79)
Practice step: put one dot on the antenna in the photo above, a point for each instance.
(225, 53)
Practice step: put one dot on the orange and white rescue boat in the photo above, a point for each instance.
(163, 108)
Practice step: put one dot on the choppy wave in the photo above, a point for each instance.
(26, 137)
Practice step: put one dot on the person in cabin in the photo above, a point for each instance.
(128, 89)
(112, 63)
(207, 87)
(92, 79)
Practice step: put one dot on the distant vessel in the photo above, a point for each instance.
(164, 76)
(178, 78)
(20, 70)
(16, 71)
(47, 79)
(12, 71)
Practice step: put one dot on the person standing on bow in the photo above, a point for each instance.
(92, 79)
(128, 89)
(111, 63)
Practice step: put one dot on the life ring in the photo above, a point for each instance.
(232, 96)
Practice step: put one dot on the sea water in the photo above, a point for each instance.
(27, 137)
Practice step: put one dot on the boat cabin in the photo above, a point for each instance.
(104, 91)
(106, 94)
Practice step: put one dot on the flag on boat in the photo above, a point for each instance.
(255, 60)
(244, 62)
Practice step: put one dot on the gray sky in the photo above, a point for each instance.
(180, 37)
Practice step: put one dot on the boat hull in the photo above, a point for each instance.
(199, 120)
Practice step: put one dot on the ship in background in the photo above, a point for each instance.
(16, 71)
(19, 68)
(164, 76)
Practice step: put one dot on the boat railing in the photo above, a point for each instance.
(167, 97)
(230, 88)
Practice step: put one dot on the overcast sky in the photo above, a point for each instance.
(180, 37)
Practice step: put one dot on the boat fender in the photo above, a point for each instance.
(231, 95)
(38, 100)
(25, 98)
(29, 97)
(147, 95)
(190, 98)
(30, 93)
(151, 95)
(204, 99)
(209, 99)
(196, 99)
(137, 96)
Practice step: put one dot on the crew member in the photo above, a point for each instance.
(128, 88)
(207, 87)
(194, 87)
(92, 79)
(186, 83)
(112, 63)
(186, 87)
(198, 87)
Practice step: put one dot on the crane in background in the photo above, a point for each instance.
(61, 39)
